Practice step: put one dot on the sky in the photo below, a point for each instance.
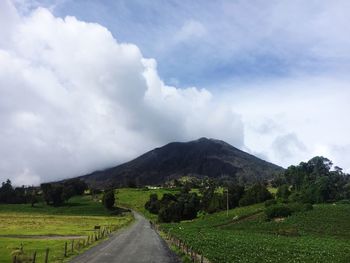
(88, 84)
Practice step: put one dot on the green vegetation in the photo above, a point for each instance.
(136, 198)
(108, 199)
(315, 181)
(174, 208)
(78, 205)
(319, 235)
(257, 193)
(17, 195)
(57, 194)
(186, 204)
(43, 226)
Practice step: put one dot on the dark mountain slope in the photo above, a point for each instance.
(203, 157)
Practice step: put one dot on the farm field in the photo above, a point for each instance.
(319, 235)
(44, 226)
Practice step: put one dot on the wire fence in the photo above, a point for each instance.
(185, 248)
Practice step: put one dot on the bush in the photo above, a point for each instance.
(283, 191)
(300, 207)
(270, 202)
(153, 204)
(278, 210)
(108, 199)
(255, 194)
(174, 208)
(344, 202)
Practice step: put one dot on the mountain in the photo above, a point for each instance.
(200, 158)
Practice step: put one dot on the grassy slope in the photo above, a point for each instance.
(320, 235)
(77, 218)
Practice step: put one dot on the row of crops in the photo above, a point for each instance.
(244, 235)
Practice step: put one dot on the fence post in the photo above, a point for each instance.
(47, 255)
(34, 257)
(72, 248)
(15, 259)
(202, 257)
(65, 249)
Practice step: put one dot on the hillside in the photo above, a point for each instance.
(200, 158)
(319, 235)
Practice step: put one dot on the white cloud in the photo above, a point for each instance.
(73, 99)
(292, 120)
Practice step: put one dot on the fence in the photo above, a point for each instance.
(185, 248)
(70, 247)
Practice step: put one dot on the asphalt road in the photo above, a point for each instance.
(138, 243)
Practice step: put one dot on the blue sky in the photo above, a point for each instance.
(86, 85)
(212, 43)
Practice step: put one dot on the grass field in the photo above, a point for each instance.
(136, 198)
(320, 235)
(50, 227)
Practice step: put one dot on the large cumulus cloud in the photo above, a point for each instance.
(73, 99)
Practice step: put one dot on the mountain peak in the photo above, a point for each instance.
(202, 157)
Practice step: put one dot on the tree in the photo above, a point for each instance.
(77, 186)
(46, 189)
(108, 199)
(173, 208)
(316, 182)
(207, 191)
(6, 192)
(283, 192)
(56, 194)
(153, 204)
(53, 194)
(33, 198)
(255, 194)
(235, 193)
(189, 204)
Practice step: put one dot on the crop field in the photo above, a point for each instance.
(319, 235)
(44, 227)
(136, 198)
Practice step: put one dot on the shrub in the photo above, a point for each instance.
(283, 191)
(270, 202)
(278, 210)
(344, 202)
(255, 194)
(153, 204)
(300, 207)
(108, 199)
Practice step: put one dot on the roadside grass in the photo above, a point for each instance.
(319, 235)
(135, 198)
(45, 223)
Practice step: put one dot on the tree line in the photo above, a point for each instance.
(17, 195)
(185, 205)
(56, 194)
(315, 181)
(298, 187)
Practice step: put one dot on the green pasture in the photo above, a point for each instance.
(45, 227)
